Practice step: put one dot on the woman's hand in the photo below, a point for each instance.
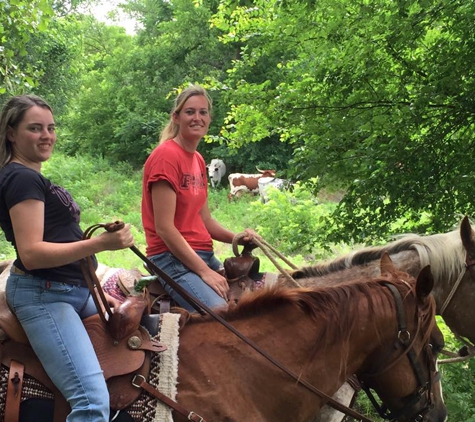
(119, 239)
(217, 282)
(250, 235)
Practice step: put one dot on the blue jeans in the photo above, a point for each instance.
(189, 280)
(51, 313)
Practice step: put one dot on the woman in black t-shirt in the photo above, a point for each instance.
(46, 288)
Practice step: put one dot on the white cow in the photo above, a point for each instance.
(265, 182)
(216, 170)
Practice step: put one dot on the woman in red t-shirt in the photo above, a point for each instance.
(179, 228)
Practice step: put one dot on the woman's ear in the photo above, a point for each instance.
(175, 118)
(10, 134)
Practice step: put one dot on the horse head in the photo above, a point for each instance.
(404, 373)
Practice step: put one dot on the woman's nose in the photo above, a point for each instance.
(45, 133)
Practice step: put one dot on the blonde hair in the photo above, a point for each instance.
(12, 114)
(171, 129)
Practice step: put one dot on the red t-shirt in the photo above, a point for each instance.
(186, 173)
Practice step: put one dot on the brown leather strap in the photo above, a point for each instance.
(89, 272)
(164, 305)
(61, 407)
(189, 415)
(95, 288)
(14, 387)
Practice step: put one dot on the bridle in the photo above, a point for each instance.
(468, 348)
(424, 386)
(423, 390)
(469, 266)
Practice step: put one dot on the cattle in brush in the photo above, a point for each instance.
(264, 183)
(240, 183)
(216, 171)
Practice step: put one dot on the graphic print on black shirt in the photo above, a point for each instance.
(67, 200)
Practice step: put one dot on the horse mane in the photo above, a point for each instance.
(322, 304)
(444, 252)
(335, 309)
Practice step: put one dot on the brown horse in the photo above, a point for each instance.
(447, 254)
(323, 335)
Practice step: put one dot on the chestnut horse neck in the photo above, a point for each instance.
(305, 329)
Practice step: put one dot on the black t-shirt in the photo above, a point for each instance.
(62, 215)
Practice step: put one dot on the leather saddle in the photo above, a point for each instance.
(121, 359)
(239, 271)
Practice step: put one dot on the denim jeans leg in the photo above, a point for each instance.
(190, 281)
(50, 314)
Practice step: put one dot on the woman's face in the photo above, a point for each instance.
(194, 118)
(34, 137)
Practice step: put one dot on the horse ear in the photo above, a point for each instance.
(387, 265)
(467, 234)
(424, 284)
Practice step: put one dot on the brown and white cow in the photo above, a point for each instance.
(240, 183)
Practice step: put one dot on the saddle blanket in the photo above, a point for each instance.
(163, 375)
(111, 283)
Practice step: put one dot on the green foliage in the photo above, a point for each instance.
(56, 55)
(19, 20)
(375, 97)
(292, 221)
(458, 380)
(270, 154)
(129, 82)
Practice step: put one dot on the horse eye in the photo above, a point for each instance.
(436, 348)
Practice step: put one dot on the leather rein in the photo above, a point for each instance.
(89, 272)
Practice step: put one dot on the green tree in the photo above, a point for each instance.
(19, 20)
(375, 97)
(128, 88)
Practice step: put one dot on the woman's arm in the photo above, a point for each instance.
(28, 226)
(215, 229)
